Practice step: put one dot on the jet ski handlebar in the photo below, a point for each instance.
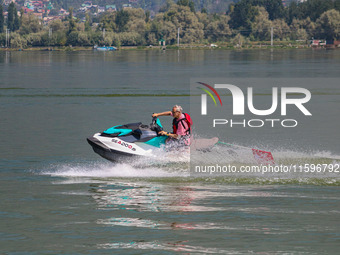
(155, 125)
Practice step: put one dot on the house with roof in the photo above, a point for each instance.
(86, 5)
(29, 5)
(101, 9)
(127, 6)
(317, 43)
(110, 8)
(38, 5)
(63, 12)
(7, 2)
(28, 10)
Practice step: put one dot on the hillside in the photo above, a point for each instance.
(212, 6)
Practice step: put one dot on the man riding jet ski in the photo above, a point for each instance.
(136, 139)
(181, 126)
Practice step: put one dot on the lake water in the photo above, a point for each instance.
(59, 197)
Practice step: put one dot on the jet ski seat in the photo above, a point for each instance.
(134, 131)
(121, 130)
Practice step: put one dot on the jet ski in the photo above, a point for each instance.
(125, 141)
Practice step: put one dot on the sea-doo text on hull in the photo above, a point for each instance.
(123, 141)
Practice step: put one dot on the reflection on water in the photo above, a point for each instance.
(213, 213)
(147, 197)
(179, 246)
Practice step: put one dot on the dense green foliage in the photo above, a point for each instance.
(2, 19)
(311, 8)
(244, 22)
(12, 18)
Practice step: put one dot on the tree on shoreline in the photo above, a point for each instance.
(261, 25)
(188, 3)
(328, 25)
(122, 18)
(10, 16)
(71, 22)
(13, 22)
(16, 25)
(2, 19)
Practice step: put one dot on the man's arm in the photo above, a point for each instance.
(168, 113)
(169, 134)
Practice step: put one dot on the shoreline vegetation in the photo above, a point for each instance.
(247, 24)
(217, 46)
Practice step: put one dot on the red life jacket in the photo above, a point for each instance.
(186, 119)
